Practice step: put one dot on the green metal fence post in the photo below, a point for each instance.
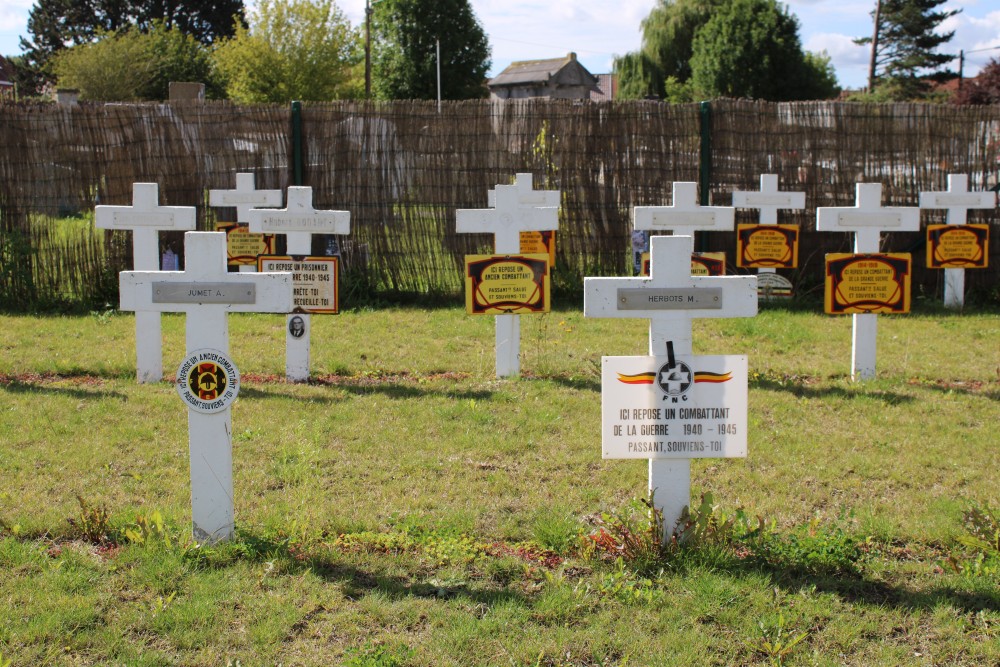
(296, 143)
(705, 173)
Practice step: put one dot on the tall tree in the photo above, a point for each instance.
(405, 35)
(131, 65)
(984, 88)
(293, 50)
(751, 48)
(54, 25)
(667, 46)
(905, 42)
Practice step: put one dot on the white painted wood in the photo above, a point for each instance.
(245, 197)
(670, 268)
(956, 200)
(298, 221)
(207, 327)
(513, 209)
(685, 216)
(769, 200)
(867, 219)
(145, 218)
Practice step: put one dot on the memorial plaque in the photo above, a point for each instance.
(314, 279)
(867, 283)
(958, 246)
(539, 243)
(689, 298)
(130, 219)
(767, 246)
(662, 407)
(207, 292)
(511, 284)
(242, 245)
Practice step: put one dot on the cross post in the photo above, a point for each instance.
(867, 219)
(957, 200)
(298, 221)
(685, 216)
(712, 296)
(513, 209)
(145, 218)
(206, 292)
(245, 197)
(768, 200)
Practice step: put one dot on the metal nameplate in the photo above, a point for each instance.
(969, 200)
(129, 219)
(684, 218)
(692, 298)
(204, 293)
(870, 219)
(755, 199)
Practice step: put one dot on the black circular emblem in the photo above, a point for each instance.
(207, 381)
(674, 379)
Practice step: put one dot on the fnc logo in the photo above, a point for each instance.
(208, 381)
(674, 378)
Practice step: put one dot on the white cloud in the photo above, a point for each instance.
(14, 14)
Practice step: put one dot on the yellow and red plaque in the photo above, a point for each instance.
(957, 246)
(767, 246)
(507, 284)
(867, 283)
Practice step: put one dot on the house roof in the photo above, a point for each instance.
(526, 72)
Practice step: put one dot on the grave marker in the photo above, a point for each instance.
(670, 298)
(298, 221)
(513, 209)
(145, 218)
(206, 292)
(957, 200)
(244, 198)
(685, 216)
(769, 200)
(867, 219)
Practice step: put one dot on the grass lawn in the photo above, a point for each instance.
(408, 508)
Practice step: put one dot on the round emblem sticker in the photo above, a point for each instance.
(208, 381)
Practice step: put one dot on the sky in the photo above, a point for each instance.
(598, 30)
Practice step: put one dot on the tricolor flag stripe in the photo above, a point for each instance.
(639, 378)
(705, 376)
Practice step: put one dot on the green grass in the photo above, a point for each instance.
(408, 508)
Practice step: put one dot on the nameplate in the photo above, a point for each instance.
(692, 298)
(204, 293)
(755, 199)
(233, 198)
(306, 222)
(129, 219)
(869, 219)
(971, 200)
(684, 219)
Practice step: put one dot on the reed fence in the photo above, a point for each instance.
(403, 168)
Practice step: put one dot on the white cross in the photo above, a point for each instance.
(298, 221)
(718, 296)
(207, 293)
(769, 200)
(245, 197)
(685, 216)
(867, 219)
(145, 218)
(514, 209)
(957, 200)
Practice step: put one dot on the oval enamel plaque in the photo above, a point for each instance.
(208, 381)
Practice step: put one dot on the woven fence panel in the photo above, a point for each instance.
(403, 168)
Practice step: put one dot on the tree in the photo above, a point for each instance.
(904, 44)
(751, 48)
(404, 35)
(667, 45)
(54, 25)
(293, 50)
(984, 88)
(130, 65)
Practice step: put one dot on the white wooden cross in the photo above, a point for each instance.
(145, 218)
(245, 197)
(867, 219)
(957, 200)
(514, 209)
(207, 293)
(670, 268)
(298, 221)
(685, 216)
(768, 200)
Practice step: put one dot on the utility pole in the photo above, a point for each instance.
(871, 63)
(368, 50)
